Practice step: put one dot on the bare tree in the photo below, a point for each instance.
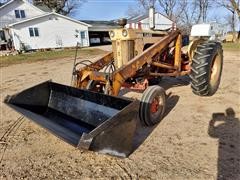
(232, 6)
(146, 4)
(189, 17)
(231, 21)
(173, 9)
(64, 7)
(133, 12)
(142, 7)
(235, 5)
(203, 6)
(184, 12)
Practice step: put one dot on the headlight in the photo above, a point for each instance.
(124, 32)
(112, 34)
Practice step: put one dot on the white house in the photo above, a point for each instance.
(50, 30)
(27, 27)
(162, 22)
(17, 10)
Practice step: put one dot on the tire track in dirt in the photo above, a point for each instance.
(125, 171)
(5, 139)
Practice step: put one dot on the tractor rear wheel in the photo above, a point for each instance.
(152, 105)
(206, 68)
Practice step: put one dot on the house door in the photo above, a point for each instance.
(83, 37)
(3, 42)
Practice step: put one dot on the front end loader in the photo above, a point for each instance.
(91, 115)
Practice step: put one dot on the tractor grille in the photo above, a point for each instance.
(123, 52)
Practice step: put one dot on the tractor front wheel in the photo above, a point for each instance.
(206, 68)
(152, 105)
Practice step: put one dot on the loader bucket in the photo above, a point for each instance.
(81, 118)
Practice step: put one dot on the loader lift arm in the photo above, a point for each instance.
(130, 69)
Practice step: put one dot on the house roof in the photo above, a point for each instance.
(11, 1)
(48, 14)
(100, 23)
(141, 17)
(5, 4)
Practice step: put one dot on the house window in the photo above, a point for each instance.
(17, 14)
(2, 36)
(83, 35)
(20, 14)
(33, 32)
(36, 32)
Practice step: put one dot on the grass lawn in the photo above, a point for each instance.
(48, 55)
(231, 46)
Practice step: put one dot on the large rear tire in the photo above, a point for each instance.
(152, 105)
(206, 68)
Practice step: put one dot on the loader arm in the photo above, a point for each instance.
(91, 69)
(130, 69)
(99, 64)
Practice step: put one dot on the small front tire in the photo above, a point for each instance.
(152, 105)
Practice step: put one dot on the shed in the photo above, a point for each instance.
(98, 32)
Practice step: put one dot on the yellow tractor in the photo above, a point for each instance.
(139, 60)
(91, 115)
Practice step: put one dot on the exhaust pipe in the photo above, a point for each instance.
(152, 18)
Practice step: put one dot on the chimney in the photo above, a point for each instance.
(152, 18)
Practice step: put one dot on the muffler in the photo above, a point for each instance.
(82, 118)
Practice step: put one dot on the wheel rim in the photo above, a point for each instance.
(156, 106)
(215, 70)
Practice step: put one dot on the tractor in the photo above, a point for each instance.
(91, 115)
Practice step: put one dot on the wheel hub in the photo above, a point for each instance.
(215, 69)
(155, 105)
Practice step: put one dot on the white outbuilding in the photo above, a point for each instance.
(162, 23)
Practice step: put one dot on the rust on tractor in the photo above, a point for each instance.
(133, 53)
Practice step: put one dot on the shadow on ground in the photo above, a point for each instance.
(166, 83)
(142, 132)
(226, 128)
(170, 82)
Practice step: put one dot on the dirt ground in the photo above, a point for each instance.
(185, 145)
